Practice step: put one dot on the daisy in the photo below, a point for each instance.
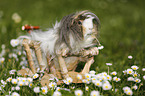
(116, 79)
(144, 77)
(135, 87)
(17, 88)
(130, 57)
(36, 89)
(137, 80)
(69, 80)
(87, 75)
(86, 88)
(143, 69)
(14, 42)
(92, 72)
(79, 77)
(129, 71)
(78, 93)
(20, 83)
(104, 73)
(56, 93)
(106, 86)
(14, 81)
(95, 93)
(109, 77)
(52, 85)
(114, 73)
(108, 64)
(29, 79)
(129, 92)
(98, 83)
(44, 90)
(126, 89)
(15, 94)
(134, 67)
(9, 79)
(130, 79)
(35, 76)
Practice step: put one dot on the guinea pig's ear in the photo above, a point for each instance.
(78, 16)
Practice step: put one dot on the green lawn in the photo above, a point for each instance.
(122, 32)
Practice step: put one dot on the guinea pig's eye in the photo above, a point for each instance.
(79, 22)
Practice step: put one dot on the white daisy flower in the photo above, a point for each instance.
(125, 72)
(144, 77)
(98, 83)
(79, 77)
(87, 75)
(20, 83)
(108, 64)
(134, 67)
(114, 73)
(58, 89)
(9, 79)
(56, 93)
(104, 73)
(143, 69)
(129, 92)
(126, 89)
(109, 77)
(36, 89)
(14, 42)
(137, 80)
(106, 86)
(95, 93)
(35, 76)
(130, 79)
(23, 79)
(130, 57)
(29, 79)
(92, 72)
(2, 59)
(52, 85)
(130, 71)
(87, 88)
(15, 94)
(69, 80)
(14, 81)
(44, 90)
(116, 79)
(104, 78)
(78, 93)
(135, 87)
(17, 88)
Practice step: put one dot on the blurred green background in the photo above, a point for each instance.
(122, 25)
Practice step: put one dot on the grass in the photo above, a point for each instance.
(121, 33)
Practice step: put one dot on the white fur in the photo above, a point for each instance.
(47, 39)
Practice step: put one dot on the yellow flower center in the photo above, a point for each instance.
(78, 94)
(21, 84)
(129, 93)
(116, 79)
(134, 68)
(107, 77)
(106, 86)
(43, 90)
(135, 75)
(130, 72)
(15, 82)
(87, 76)
(113, 73)
(23, 80)
(126, 90)
(31, 84)
(98, 84)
